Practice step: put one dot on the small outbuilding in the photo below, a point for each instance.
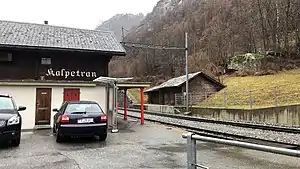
(172, 92)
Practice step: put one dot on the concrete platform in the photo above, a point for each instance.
(134, 147)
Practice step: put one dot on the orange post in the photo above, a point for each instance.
(125, 104)
(142, 105)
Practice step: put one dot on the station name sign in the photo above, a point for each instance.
(69, 73)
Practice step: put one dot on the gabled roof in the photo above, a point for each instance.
(42, 36)
(178, 81)
(111, 79)
(122, 83)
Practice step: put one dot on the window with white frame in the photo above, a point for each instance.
(46, 61)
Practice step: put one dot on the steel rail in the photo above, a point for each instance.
(237, 124)
(218, 134)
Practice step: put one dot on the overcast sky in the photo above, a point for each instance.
(84, 14)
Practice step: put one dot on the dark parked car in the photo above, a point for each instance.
(80, 118)
(10, 120)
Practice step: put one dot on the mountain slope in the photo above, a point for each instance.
(118, 21)
(217, 30)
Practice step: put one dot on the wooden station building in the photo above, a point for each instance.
(43, 65)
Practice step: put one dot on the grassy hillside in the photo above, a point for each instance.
(264, 91)
(134, 94)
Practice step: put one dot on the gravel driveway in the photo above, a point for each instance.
(134, 147)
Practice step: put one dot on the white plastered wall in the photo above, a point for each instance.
(26, 96)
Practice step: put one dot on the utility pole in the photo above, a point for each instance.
(186, 60)
(277, 26)
(187, 73)
(123, 34)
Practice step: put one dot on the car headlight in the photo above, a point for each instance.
(13, 120)
(2, 123)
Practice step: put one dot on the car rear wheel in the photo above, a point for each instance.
(59, 138)
(54, 130)
(102, 137)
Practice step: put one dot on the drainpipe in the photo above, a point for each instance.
(107, 102)
(115, 113)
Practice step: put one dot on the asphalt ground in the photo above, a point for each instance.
(134, 147)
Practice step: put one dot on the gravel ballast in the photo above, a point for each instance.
(282, 137)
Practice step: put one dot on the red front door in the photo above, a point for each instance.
(71, 94)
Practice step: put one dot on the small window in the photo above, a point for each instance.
(5, 57)
(83, 107)
(46, 61)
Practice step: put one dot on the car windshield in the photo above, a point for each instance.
(78, 108)
(6, 103)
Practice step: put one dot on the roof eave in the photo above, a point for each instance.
(114, 53)
(148, 91)
(129, 85)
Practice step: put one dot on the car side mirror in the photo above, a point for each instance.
(21, 108)
(55, 110)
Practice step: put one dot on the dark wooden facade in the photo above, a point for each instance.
(52, 65)
(199, 88)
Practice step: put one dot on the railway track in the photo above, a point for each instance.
(223, 135)
(237, 124)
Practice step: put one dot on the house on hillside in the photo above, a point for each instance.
(44, 65)
(172, 91)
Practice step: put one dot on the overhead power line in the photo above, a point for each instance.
(125, 29)
(151, 46)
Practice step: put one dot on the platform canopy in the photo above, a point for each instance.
(112, 79)
(123, 83)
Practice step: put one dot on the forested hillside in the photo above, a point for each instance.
(217, 29)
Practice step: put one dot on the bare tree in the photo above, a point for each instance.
(218, 30)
